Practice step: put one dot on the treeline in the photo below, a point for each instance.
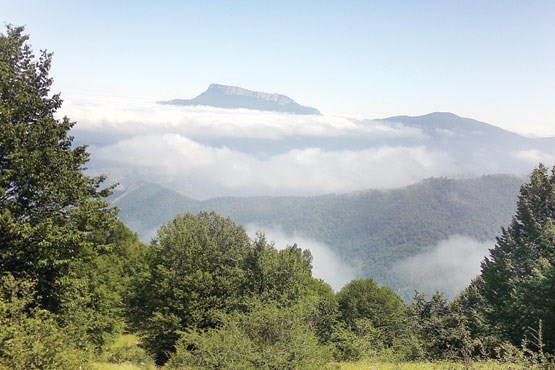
(373, 230)
(202, 294)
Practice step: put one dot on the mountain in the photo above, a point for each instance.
(144, 207)
(373, 230)
(478, 146)
(233, 97)
(474, 147)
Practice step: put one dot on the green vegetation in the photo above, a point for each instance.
(63, 256)
(124, 353)
(372, 230)
(518, 278)
(79, 290)
(435, 365)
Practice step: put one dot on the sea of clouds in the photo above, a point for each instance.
(205, 152)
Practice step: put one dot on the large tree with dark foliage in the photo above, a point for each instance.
(52, 216)
(203, 267)
(518, 278)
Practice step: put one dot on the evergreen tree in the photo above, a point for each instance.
(518, 278)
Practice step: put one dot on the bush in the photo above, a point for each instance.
(30, 338)
(126, 350)
(268, 337)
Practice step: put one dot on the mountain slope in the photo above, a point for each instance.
(371, 229)
(478, 147)
(144, 207)
(234, 97)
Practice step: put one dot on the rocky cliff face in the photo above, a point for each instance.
(233, 97)
(239, 91)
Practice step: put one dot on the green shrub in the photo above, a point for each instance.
(126, 351)
(268, 337)
(30, 338)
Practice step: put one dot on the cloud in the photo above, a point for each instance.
(126, 118)
(205, 151)
(203, 170)
(448, 266)
(326, 265)
(534, 156)
(445, 132)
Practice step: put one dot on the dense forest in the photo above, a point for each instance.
(371, 230)
(205, 295)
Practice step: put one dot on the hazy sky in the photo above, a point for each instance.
(489, 60)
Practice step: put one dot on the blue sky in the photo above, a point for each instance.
(489, 60)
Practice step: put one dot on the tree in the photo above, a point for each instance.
(30, 338)
(195, 272)
(203, 267)
(443, 329)
(277, 275)
(517, 280)
(364, 299)
(55, 226)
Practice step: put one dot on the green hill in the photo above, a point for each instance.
(371, 229)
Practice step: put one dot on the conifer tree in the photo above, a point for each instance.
(518, 278)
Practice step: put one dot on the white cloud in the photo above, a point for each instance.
(123, 117)
(203, 170)
(449, 266)
(534, 156)
(445, 132)
(326, 265)
(205, 151)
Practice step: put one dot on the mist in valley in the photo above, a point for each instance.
(326, 264)
(449, 266)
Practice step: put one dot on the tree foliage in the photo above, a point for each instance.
(518, 277)
(364, 299)
(202, 266)
(267, 337)
(49, 210)
(56, 229)
(30, 337)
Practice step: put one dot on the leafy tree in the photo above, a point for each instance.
(364, 299)
(195, 272)
(50, 212)
(277, 275)
(203, 266)
(517, 278)
(443, 329)
(351, 343)
(56, 229)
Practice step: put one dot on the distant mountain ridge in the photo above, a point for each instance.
(234, 97)
(371, 229)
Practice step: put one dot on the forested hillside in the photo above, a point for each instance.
(372, 229)
(204, 294)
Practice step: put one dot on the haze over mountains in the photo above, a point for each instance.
(205, 151)
(378, 234)
(353, 190)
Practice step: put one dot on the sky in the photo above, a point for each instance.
(489, 60)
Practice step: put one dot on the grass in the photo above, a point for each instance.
(111, 366)
(364, 365)
(443, 365)
(124, 354)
